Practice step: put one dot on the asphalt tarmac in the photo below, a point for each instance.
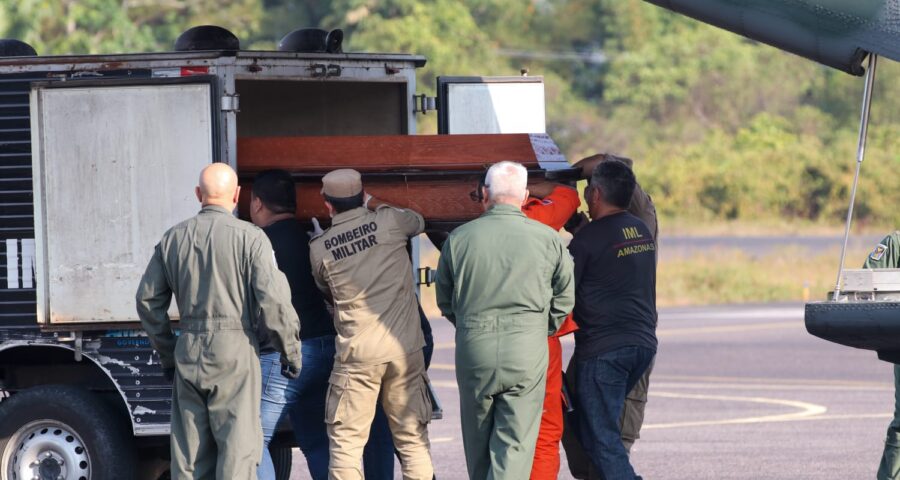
(737, 393)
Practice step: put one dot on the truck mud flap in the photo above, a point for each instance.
(867, 325)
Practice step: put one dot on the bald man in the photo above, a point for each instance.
(223, 275)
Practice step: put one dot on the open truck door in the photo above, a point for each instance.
(133, 150)
(491, 105)
(504, 105)
(113, 165)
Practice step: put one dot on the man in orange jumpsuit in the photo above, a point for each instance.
(553, 205)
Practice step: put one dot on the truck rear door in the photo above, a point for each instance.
(477, 105)
(491, 105)
(115, 165)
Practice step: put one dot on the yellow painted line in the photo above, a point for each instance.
(738, 383)
(445, 384)
(805, 410)
(677, 332)
(745, 383)
(442, 366)
(761, 386)
(744, 327)
(767, 380)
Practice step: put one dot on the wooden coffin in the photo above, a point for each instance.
(432, 174)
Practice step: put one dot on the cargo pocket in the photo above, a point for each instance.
(424, 407)
(335, 399)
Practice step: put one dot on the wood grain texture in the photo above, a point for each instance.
(383, 153)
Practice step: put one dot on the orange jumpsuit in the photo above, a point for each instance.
(553, 210)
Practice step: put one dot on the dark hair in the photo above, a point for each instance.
(276, 190)
(615, 181)
(610, 157)
(343, 204)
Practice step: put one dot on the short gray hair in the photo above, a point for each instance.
(508, 181)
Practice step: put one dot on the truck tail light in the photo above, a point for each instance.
(179, 71)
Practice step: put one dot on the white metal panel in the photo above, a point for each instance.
(872, 280)
(115, 166)
(516, 107)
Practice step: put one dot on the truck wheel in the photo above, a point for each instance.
(63, 432)
(283, 458)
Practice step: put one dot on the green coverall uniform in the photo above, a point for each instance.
(506, 282)
(223, 274)
(887, 255)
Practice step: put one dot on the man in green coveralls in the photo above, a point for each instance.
(887, 255)
(222, 272)
(506, 282)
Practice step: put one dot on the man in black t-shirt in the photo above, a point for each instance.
(615, 309)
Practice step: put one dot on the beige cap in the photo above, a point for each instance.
(343, 183)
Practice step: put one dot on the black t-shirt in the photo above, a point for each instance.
(615, 285)
(291, 244)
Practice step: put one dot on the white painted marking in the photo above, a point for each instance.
(139, 410)
(848, 416)
(805, 410)
(442, 439)
(27, 263)
(104, 360)
(12, 263)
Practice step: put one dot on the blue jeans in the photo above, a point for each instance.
(272, 409)
(602, 383)
(304, 402)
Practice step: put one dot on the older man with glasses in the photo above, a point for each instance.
(505, 281)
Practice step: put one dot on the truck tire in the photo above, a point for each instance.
(63, 432)
(283, 458)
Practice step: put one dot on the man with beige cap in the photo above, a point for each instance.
(362, 265)
(223, 275)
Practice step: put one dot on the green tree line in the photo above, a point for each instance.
(720, 127)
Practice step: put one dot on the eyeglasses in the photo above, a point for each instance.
(476, 195)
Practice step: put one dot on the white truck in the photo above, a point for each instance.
(99, 155)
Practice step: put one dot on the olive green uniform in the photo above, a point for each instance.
(632, 419)
(223, 275)
(361, 263)
(887, 255)
(506, 282)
